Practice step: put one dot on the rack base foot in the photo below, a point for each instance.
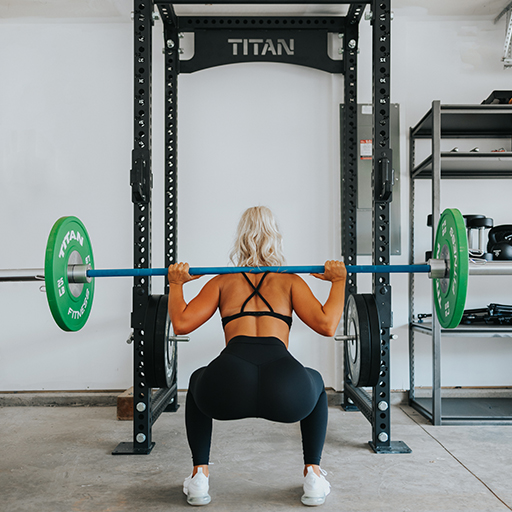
(129, 449)
(394, 447)
(173, 406)
(349, 407)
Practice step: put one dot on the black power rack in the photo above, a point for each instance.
(300, 40)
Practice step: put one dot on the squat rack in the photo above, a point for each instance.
(222, 40)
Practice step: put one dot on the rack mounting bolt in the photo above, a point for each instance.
(383, 437)
(140, 438)
(382, 406)
(352, 44)
(368, 16)
(141, 407)
(170, 43)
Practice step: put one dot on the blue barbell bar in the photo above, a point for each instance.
(435, 268)
(314, 269)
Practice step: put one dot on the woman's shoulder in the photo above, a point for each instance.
(215, 281)
(225, 279)
(293, 277)
(289, 279)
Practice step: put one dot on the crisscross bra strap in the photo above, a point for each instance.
(272, 313)
(255, 292)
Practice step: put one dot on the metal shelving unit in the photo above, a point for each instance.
(467, 165)
(454, 122)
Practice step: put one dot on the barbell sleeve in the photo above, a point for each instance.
(22, 274)
(76, 274)
(490, 268)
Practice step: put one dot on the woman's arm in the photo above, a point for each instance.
(185, 317)
(322, 319)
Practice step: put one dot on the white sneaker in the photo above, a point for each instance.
(316, 488)
(196, 489)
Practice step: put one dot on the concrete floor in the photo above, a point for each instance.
(57, 459)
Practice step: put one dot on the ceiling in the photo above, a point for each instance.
(119, 10)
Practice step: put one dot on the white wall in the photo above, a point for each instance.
(65, 150)
(248, 134)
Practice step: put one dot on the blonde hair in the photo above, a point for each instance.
(258, 242)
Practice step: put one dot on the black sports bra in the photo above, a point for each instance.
(286, 319)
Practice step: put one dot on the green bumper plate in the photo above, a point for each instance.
(68, 244)
(451, 245)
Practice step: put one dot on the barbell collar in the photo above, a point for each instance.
(438, 269)
(78, 274)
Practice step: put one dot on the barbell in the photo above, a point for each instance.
(69, 271)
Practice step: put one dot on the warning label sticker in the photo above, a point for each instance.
(365, 149)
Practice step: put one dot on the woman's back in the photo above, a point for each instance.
(274, 294)
(282, 293)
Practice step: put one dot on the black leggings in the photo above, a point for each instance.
(256, 377)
